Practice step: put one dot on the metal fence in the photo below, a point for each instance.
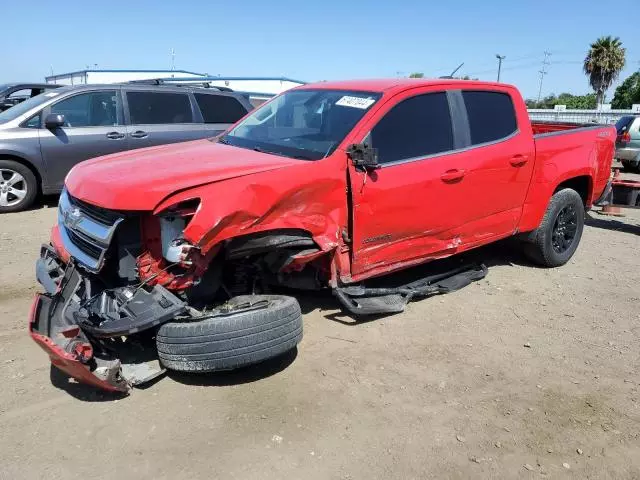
(578, 116)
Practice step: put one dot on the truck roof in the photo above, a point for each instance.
(385, 84)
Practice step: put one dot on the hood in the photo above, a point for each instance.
(140, 179)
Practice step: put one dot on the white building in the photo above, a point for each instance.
(266, 85)
(83, 77)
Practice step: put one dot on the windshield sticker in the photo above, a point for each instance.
(51, 94)
(355, 102)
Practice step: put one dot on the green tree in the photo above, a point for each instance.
(581, 102)
(417, 75)
(628, 92)
(603, 63)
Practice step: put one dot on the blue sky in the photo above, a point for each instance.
(331, 39)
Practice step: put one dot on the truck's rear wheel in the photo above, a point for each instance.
(234, 340)
(557, 238)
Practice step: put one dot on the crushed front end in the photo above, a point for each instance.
(96, 320)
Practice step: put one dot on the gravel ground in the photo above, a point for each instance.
(528, 373)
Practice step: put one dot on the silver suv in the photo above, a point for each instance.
(42, 138)
(628, 142)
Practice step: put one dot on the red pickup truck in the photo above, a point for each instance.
(326, 186)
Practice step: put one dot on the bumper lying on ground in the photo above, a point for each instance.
(69, 355)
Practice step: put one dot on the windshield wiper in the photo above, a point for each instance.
(223, 141)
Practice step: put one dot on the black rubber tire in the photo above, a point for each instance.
(234, 341)
(540, 249)
(31, 186)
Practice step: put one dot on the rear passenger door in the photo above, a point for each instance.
(157, 118)
(498, 165)
(219, 111)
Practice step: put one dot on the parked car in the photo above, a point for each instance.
(328, 186)
(42, 138)
(12, 94)
(628, 142)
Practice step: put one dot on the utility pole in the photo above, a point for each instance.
(500, 58)
(543, 72)
(173, 59)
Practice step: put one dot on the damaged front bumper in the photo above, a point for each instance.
(85, 329)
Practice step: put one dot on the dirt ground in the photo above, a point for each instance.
(528, 373)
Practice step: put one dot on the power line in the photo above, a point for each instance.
(543, 72)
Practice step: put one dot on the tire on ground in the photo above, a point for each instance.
(540, 248)
(30, 184)
(234, 341)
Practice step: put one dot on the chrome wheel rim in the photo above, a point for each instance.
(13, 187)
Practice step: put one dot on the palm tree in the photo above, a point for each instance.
(605, 59)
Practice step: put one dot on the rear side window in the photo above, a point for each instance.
(624, 124)
(416, 127)
(154, 107)
(491, 116)
(219, 108)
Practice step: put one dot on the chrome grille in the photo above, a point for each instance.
(86, 230)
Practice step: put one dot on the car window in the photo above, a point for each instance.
(219, 108)
(159, 107)
(91, 109)
(491, 115)
(623, 124)
(22, 94)
(33, 122)
(416, 127)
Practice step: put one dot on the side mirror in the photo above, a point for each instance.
(363, 156)
(54, 120)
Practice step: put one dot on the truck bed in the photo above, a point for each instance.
(541, 127)
(580, 152)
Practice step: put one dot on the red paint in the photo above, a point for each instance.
(402, 215)
(65, 361)
(56, 241)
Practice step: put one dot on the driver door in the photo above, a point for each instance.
(93, 127)
(405, 210)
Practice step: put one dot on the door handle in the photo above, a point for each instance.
(138, 134)
(115, 135)
(452, 176)
(519, 160)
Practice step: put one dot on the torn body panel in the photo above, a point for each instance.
(310, 197)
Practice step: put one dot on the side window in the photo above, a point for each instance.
(92, 109)
(147, 108)
(491, 115)
(20, 95)
(219, 108)
(416, 127)
(33, 122)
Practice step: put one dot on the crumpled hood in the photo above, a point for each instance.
(140, 179)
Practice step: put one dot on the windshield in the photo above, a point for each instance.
(305, 124)
(22, 107)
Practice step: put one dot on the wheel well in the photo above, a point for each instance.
(270, 240)
(581, 184)
(27, 164)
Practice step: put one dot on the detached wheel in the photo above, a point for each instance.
(242, 336)
(557, 238)
(18, 186)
